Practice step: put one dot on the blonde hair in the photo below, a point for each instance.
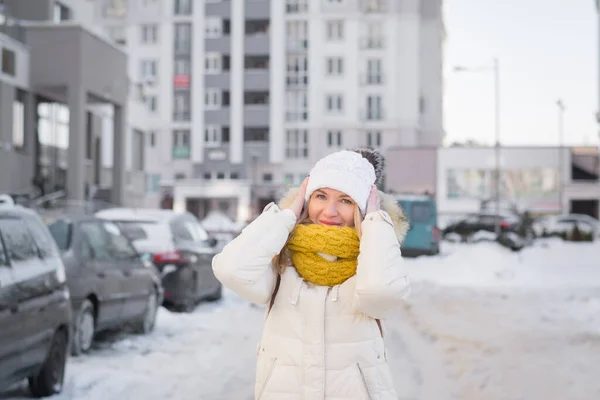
(282, 260)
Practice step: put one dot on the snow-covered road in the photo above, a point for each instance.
(482, 323)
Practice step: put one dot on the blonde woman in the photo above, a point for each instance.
(327, 264)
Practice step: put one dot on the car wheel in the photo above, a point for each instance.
(83, 328)
(49, 380)
(216, 295)
(147, 323)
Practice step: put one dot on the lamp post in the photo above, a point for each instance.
(495, 68)
(561, 172)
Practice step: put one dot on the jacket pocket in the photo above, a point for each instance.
(364, 381)
(267, 379)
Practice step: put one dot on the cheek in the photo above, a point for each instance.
(313, 211)
(347, 214)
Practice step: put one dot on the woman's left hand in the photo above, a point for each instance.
(374, 202)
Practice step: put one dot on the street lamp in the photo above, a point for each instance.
(561, 173)
(495, 68)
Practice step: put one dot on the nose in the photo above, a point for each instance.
(330, 209)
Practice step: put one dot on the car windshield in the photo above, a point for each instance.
(61, 232)
(421, 212)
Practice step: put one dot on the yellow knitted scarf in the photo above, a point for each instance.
(308, 241)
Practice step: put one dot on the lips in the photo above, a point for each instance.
(330, 223)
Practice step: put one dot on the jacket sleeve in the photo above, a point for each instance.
(245, 264)
(381, 279)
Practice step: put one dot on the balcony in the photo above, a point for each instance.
(371, 79)
(297, 45)
(372, 43)
(13, 30)
(374, 6)
(372, 115)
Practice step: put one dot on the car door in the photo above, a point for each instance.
(9, 319)
(30, 291)
(136, 279)
(107, 281)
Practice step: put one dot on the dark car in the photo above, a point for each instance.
(511, 226)
(109, 283)
(35, 311)
(181, 249)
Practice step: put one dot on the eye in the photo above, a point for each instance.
(320, 196)
(347, 201)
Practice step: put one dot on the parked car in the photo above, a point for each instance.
(423, 236)
(514, 230)
(35, 311)
(564, 226)
(181, 250)
(109, 283)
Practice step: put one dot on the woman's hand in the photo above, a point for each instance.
(374, 202)
(298, 203)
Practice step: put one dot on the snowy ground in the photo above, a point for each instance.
(483, 323)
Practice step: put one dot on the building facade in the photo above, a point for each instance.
(67, 119)
(543, 180)
(246, 95)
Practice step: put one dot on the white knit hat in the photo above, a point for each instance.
(346, 171)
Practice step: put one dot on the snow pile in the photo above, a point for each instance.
(548, 264)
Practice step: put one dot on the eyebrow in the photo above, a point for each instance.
(342, 196)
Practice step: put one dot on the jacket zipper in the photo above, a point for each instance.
(362, 375)
(262, 390)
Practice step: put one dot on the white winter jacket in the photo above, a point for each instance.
(320, 343)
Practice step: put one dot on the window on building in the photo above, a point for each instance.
(181, 105)
(181, 147)
(213, 27)
(257, 27)
(118, 35)
(267, 177)
(374, 74)
(422, 105)
(18, 125)
(220, 175)
(373, 139)
(335, 103)
(207, 176)
(149, 33)
(256, 98)
(212, 63)
(374, 109)
(182, 66)
(296, 143)
(152, 139)
(182, 7)
(335, 30)
(256, 62)
(152, 103)
(149, 70)
(256, 134)
(212, 135)
(234, 175)
(297, 36)
(296, 6)
(137, 150)
(212, 99)
(9, 62)
(297, 70)
(60, 12)
(296, 105)
(373, 35)
(288, 179)
(334, 138)
(335, 66)
(115, 8)
(182, 38)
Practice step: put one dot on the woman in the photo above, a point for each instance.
(328, 280)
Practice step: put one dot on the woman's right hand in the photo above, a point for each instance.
(298, 203)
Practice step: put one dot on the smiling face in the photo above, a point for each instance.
(331, 207)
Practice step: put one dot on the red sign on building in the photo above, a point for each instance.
(181, 80)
